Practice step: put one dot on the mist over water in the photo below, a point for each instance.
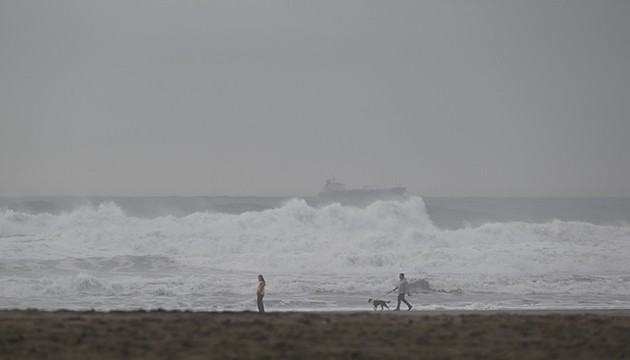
(205, 253)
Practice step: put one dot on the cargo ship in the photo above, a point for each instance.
(335, 190)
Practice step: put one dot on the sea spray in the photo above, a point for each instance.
(100, 253)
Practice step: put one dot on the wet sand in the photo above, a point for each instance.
(318, 335)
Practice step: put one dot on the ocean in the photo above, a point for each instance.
(204, 253)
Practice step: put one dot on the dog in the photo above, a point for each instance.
(377, 303)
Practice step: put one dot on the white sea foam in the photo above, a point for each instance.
(102, 252)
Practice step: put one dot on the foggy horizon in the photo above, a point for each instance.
(449, 99)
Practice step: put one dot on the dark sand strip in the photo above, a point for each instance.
(320, 335)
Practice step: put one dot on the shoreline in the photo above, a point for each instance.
(161, 334)
(414, 312)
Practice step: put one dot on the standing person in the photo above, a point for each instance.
(260, 292)
(403, 288)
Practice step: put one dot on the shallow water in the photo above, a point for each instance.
(465, 254)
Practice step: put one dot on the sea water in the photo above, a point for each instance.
(204, 253)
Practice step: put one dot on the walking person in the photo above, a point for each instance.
(403, 289)
(260, 292)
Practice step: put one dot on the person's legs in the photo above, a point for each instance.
(261, 306)
(400, 297)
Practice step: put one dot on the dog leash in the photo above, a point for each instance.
(387, 293)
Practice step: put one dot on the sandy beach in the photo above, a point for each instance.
(322, 335)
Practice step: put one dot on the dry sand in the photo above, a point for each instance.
(321, 335)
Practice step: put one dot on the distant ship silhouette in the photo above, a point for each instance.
(336, 190)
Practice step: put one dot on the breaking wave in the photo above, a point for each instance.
(103, 251)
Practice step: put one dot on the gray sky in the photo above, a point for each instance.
(449, 98)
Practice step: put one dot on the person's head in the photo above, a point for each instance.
(401, 276)
(261, 278)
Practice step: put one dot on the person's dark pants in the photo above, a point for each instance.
(401, 297)
(261, 307)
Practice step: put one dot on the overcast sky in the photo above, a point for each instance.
(448, 98)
